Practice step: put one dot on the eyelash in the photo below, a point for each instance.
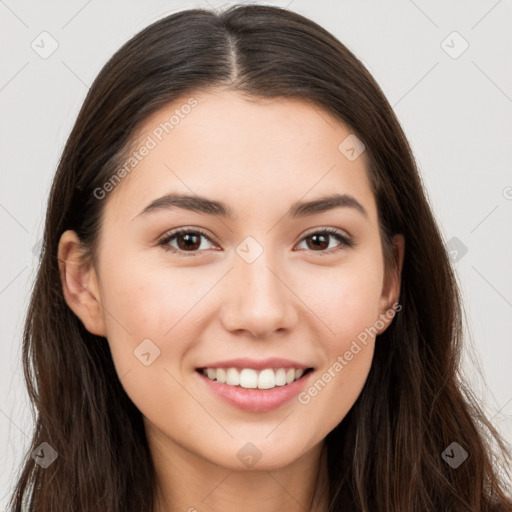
(346, 242)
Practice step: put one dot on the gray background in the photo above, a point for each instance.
(455, 109)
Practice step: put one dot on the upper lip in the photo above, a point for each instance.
(257, 364)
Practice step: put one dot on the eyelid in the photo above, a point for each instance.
(327, 229)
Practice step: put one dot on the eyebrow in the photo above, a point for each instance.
(208, 206)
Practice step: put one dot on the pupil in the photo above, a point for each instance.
(316, 238)
(189, 241)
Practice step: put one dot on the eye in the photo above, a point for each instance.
(187, 240)
(190, 241)
(320, 240)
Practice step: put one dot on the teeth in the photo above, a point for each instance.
(250, 379)
(232, 377)
(281, 377)
(266, 379)
(221, 375)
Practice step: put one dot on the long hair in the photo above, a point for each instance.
(387, 453)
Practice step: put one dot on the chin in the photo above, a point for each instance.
(257, 456)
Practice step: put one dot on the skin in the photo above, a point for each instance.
(295, 300)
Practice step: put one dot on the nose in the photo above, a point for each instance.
(258, 299)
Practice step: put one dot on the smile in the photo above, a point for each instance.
(254, 390)
(250, 378)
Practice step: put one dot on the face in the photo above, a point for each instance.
(253, 281)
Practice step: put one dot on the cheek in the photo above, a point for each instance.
(329, 397)
(146, 313)
(149, 301)
(348, 355)
(148, 332)
(345, 298)
(346, 302)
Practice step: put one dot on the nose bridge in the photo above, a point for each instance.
(258, 299)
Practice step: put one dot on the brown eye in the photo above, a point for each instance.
(188, 241)
(185, 241)
(320, 241)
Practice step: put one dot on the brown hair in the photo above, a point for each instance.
(386, 453)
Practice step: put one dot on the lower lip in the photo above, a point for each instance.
(256, 400)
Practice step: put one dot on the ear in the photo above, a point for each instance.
(391, 287)
(79, 283)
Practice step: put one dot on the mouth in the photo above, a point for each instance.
(254, 390)
(251, 378)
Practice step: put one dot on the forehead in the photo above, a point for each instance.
(241, 149)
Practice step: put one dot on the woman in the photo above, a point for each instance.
(244, 301)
